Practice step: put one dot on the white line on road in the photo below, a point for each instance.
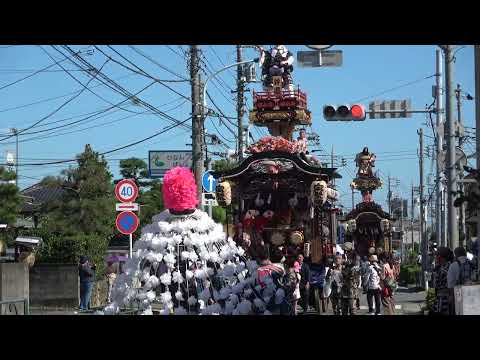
(397, 307)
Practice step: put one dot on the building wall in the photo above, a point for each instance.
(14, 284)
(54, 285)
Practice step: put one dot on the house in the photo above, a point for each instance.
(37, 197)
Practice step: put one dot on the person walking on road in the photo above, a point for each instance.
(461, 270)
(334, 276)
(294, 278)
(86, 272)
(305, 280)
(373, 278)
(441, 305)
(388, 285)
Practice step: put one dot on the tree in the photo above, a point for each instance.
(10, 198)
(223, 165)
(86, 216)
(136, 169)
(151, 202)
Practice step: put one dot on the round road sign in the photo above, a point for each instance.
(126, 190)
(127, 222)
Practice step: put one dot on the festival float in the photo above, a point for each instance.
(280, 197)
(368, 226)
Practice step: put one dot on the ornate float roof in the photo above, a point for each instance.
(285, 159)
(369, 210)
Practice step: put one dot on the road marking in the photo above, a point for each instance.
(364, 307)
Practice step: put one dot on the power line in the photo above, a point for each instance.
(394, 88)
(96, 72)
(164, 130)
(52, 113)
(140, 69)
(103, 111)
(157, 63)
(128, 93)
(31, 75)
(55, 97)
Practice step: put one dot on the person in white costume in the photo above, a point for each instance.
(184, 263)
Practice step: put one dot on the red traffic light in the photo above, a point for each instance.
(358, 112)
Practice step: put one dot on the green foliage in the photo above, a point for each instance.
(219, 214)
(82, 222)
(223, 165)
(151, 201)
(429, 300)
(134, 168)
(58, 248)
(409, 273)
(88, 205)
(10, 203)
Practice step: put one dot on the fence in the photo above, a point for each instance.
(26, 306)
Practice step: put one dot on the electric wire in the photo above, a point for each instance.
(53, 112)
(128, 93)
(394, 88)
(164, 130)
(31, 75)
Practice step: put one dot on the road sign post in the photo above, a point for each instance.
(209, 182)
(127, 223)
(126, 190)
(209, 199)
(126, 207)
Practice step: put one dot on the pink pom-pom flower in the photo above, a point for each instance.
(179, 189)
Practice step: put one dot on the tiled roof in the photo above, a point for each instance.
(39, 195)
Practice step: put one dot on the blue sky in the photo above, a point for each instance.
(366, 71)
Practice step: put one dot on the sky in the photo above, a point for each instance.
(368, 73)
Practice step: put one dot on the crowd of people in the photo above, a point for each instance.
(451, 269)
(340, 281)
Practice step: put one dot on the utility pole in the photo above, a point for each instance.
(462, 236)
(240, 103)
(197, 120)
(477, 127)
(332, 158)
(423, 240)
(389, 196)
(15, 132)
(452, 224)
(412, 216)
(401, 230)
(353, 198)
(439, 224)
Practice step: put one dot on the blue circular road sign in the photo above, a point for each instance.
(127, 222)
(209, 183)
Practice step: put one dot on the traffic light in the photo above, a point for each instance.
(355, 112)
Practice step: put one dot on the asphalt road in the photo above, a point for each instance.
(408, 301)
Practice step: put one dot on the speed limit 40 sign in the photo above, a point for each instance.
(126, 190)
